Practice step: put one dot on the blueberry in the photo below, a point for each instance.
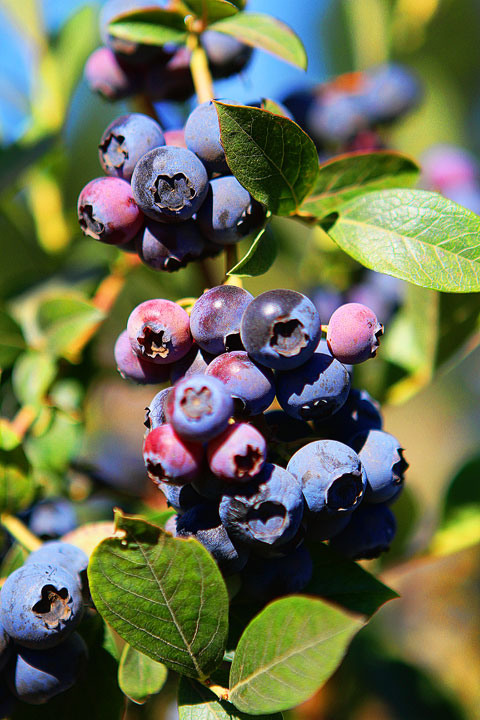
(316, 389)
(331, 475)
(108, 212)
(266, 579)
(170, 79)
(155, 413)
(169, 184)
(209, 486)
(238, 454)
(298, 103)
(52, 518)
(382, 458)
(180, 497)
(369, 533)
(202, 137)
(229, 212)
(251, 385)
(40, 605)
(170, 459)
(391, 92)
(61, 554)
(203, 523)
(216, 316)
(325, 524)
(196, 361)
(39, 675)
(5, 647)
(226, 55)
(170, 247)
(359, 413)
(284, 428)
(124, 142)
(266, 512)
(280, 329)
(134, 368)
(353, 333)
(105, 75)
(335, 117)
(199, 407)
(159, 331)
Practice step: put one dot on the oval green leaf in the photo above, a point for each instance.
(347, 176)
(196, 702)
(414, 235)
(260, 256)
(12, 340)
(164, 596)
(287, 652)
(212, 10)
(270, 155)
(65, 319)
(32, 375)
(16, 489)
(267, 33)
(152, 26)
(139, 676)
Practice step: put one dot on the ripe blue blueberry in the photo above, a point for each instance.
(180, 497)
(155, 413)
(382, 457)
(216, 316)
(38, 675)
(171, 78)
(369, 533)
(108, 212)
(134, 368)
(284, 428)
(325, 524)
(169, 184)
(392, 91)
(62, 554)
(203, 523)
(331, 475)
(280, 329)
(336, 117)
(316, 389)
(251, 385)
(266, 579)
(229, 212)
(266, 512)
(359, 413)
(5, 647)
(40, 605)
(124, 142)
(170, 247)
(237, 454)
(159, 331)
(199, 407)
(353, 333)
(52, 518)
(226, 55)
(168, 458)
(202, 137)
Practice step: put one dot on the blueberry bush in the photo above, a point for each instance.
(229, 557)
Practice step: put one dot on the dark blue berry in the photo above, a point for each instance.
(391, 92)
(155, 413)
(382, 457)
(369, 533)
(280, 329)
(226, 55)
(124, 142)
(180, 497)
(284, 428)
(266, 579)
(202, 136)
(196, 361)
(359, 413)
(216, 316)
(52, 518)
(170, 247)
(134, 368)
(251, 385)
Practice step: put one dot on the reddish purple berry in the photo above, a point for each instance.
(108, 212)
(159, 331)
(195, 362)
(106, 76)
(252, 385)
(132, 367)
(238, 453)
(216, 316)
(199, 408)
(353, 333)
(170, 459)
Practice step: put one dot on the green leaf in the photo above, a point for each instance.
(287, 652)
(415, 235)
(164, 596)
(347, 176)
(260, 256)
(212, 10)
(9, 437)
(12, 342)
(343, 582)
(53, 447)
(13, 559)
(273, 107)
(32, 375)
(64, 320)
(267, 33)
(152, 26)
(139, 676)
(16, 489)
(269, 155)
(18, 157)
(196, 702)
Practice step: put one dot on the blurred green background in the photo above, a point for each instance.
(420, 656)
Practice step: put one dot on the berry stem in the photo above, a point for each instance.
(221, 692)
(23, 420)
(201, 75)
(20, 532)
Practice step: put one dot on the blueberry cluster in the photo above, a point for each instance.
(121, 68)
(346, 113)
(156, 197)
(252, 483)
(41, 605)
